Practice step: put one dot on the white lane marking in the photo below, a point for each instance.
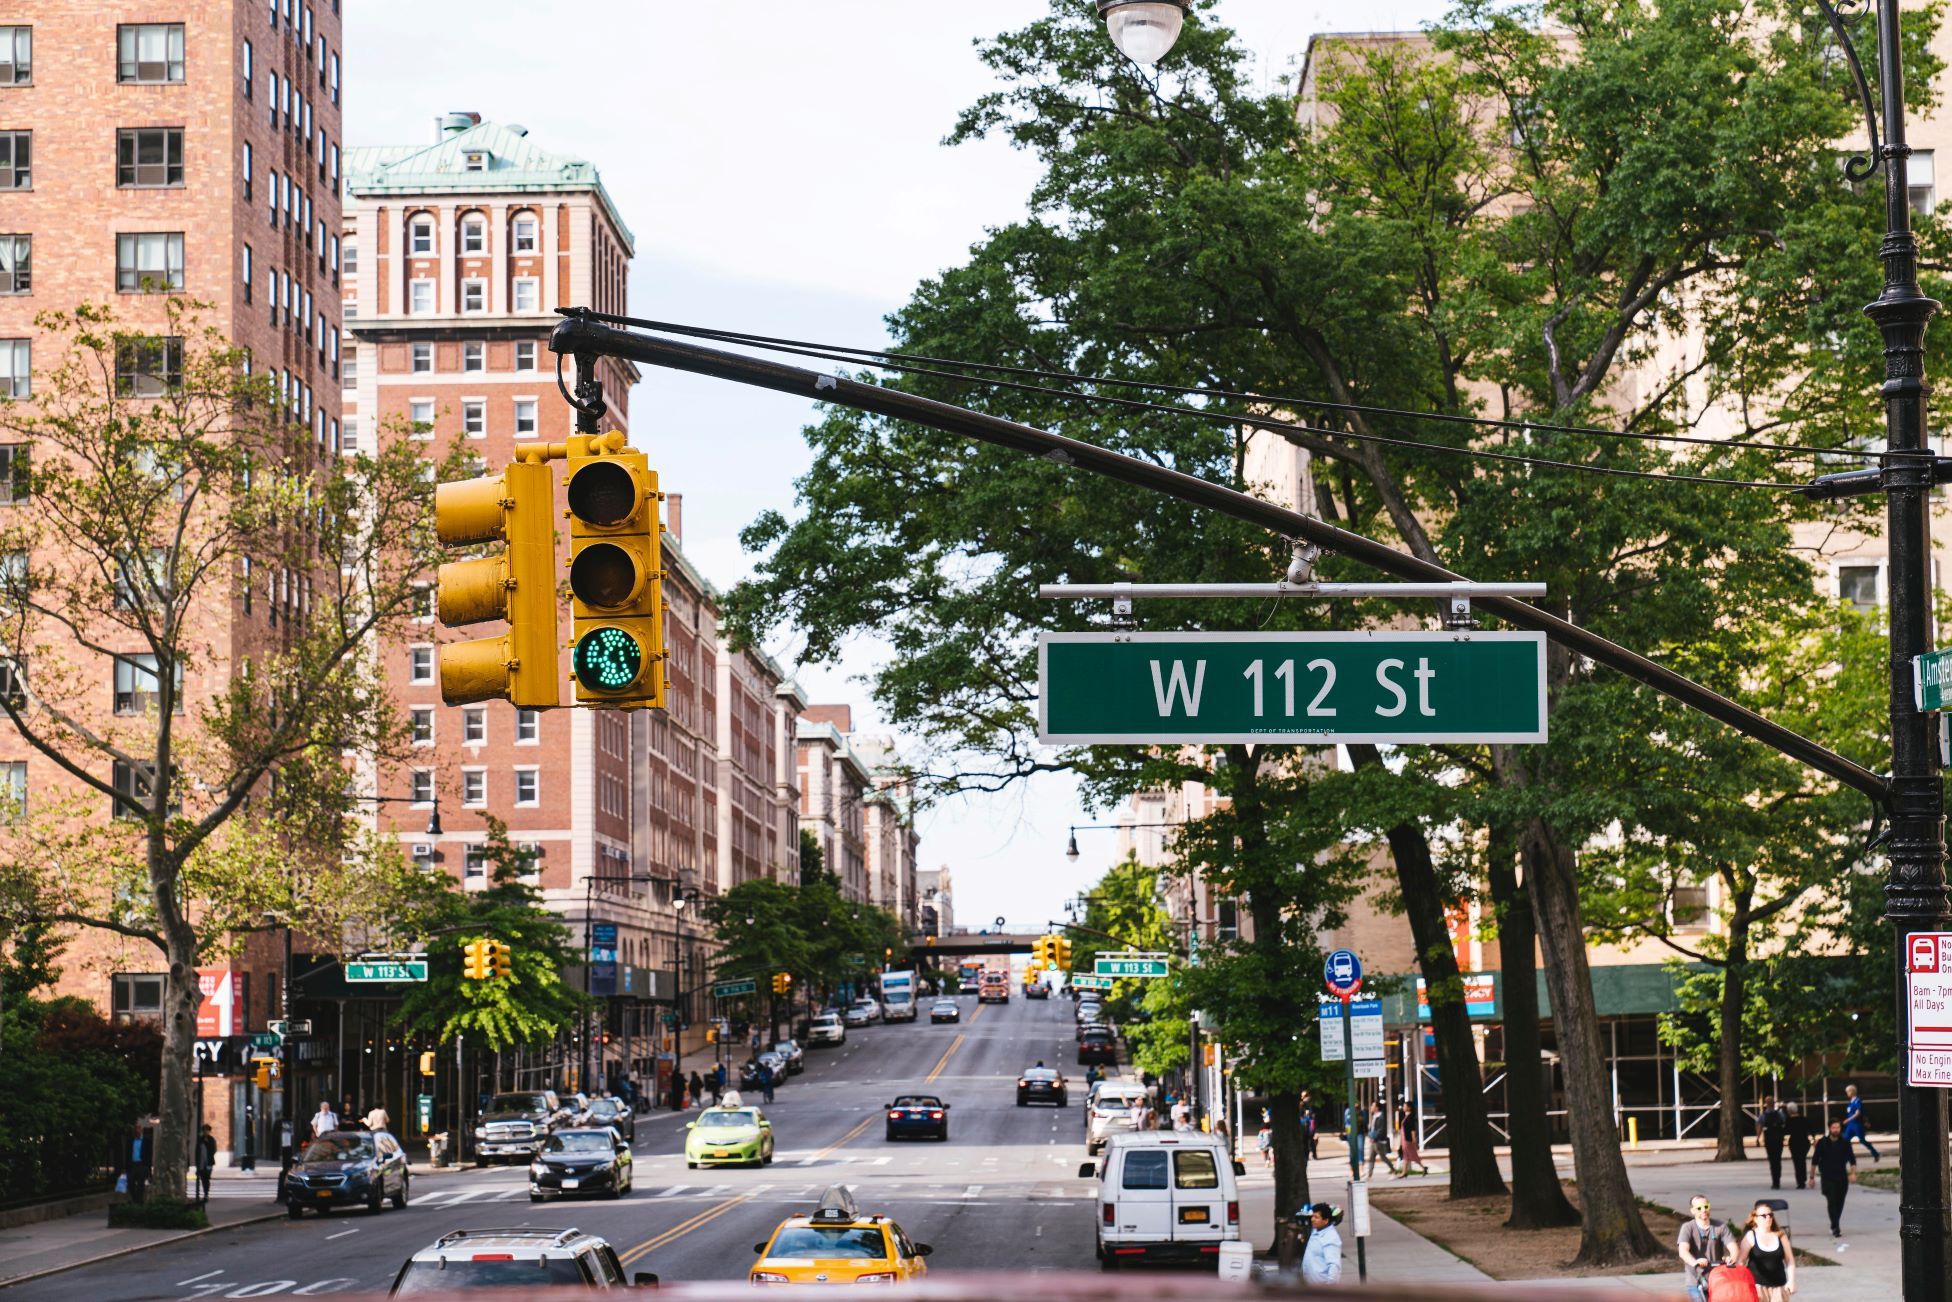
(341, 1234)
(463, 1195)
(673, 1191)
(264, 1288)
(972, 1191)
(194, 1278)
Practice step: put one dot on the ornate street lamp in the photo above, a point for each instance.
(1143, 30)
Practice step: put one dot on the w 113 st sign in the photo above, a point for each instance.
(1303, 688)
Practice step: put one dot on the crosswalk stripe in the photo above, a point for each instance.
(673, 1191)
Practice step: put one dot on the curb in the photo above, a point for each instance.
(140, 1247)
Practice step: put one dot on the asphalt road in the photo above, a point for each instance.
(1003, 1193)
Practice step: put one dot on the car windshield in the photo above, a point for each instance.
(454, 1275)
(864, 1243)
(338, 1148)
(606, 1107)
(728, 1120)
(578, 1141)
(1040, 1073)
(518, 1103)
(918, 1101)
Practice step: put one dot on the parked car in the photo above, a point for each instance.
(749, 1070)
(794, 1056)
(515, 1123)
(1042, 1085)
(826, 1028)
(945, 1010)
(1109, 1111)
(605, 1110)
(347, 1168)
(862, 1012)
(584, 1160)
(1089, 1009)
(539, 1257)
(1165, 1196)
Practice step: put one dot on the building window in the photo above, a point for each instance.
(16, 56)
(16, 368)
(272, 77)
(1858, 584)
(474, 417)
(1923, 182)
(474, 787)
(474, 357)
(247, 169)
(16, 264)
(150, 53)
(420, 297)
(138, 994)
(248, 65)
(525, 418)
(474, 863)
(524, 240)
(475, 161)
(420, 411)
(527, 722)
(149, 366)
(420, 664)
(149, 157)
(151, 262)
(421, 358)
(420, 237)
(474, 237)
(138, 686)
(525, 356)
(351, 368)
(474, 725)
(525, 787)
(15, 481)
(420, 786)
(332, 73)
(349, 257)
(474, 296)
(527, 294)
(16, 160)
(423, 725)
(423, 856)
(13, 790)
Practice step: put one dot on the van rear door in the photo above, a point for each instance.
(1145, 1199)
(1199, 1196)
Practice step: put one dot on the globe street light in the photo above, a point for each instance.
(1143, 30)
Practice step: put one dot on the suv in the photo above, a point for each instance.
(1110, 1112)
(498, 1259)
(827, 1028)
(515, 1124)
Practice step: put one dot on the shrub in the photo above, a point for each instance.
(158, 1214)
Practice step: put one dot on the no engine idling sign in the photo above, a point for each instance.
(1928, 1031)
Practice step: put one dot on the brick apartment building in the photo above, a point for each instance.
(191, 148)
(833, 787)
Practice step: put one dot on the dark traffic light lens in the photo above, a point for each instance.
(603, 575)
(603, 493)
(607, 660)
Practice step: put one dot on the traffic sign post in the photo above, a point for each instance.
(1299, 688)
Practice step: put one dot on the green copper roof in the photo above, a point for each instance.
(514, 165)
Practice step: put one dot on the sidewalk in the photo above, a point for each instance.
(47, 1247)
(1395, 1253)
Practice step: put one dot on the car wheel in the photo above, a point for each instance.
(376, 1201)
(691, 1166)
(535, 1197)
(891, 1136)
(1064, 1100)
(294, 1211)
(1021, 1101)
(1106, 1261)
(480, 1163)
(400, 1199)
(768, 1159)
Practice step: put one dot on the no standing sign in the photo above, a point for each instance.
(1928, 1022)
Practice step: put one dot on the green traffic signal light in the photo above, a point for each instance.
(607, 659)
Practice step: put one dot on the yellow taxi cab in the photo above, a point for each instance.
(836, 1244)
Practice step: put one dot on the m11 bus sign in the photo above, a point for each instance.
(1299, 688)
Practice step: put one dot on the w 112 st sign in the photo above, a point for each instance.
(1301, 688)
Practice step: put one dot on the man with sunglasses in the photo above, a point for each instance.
(1703, 1244)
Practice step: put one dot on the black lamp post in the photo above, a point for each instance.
(589, 949)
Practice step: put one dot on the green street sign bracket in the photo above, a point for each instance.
(409, 970)
(1310, 689)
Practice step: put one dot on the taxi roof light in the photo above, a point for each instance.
(836, 1204)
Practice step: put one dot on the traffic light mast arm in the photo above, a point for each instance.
(584, 335)
(1178, 951)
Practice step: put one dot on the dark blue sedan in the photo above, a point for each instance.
(918, 1114)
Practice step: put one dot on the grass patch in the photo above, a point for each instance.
(158, 1214)
(1879, 1177)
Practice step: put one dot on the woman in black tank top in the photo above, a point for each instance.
(1765, 1250)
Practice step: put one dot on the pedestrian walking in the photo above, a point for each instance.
(1136, 1111)
(1378, 1143)
(1264, 1140)
(1836, 1172)
(1774, 1127)
(677, 1091)
(324, 1120)
(1406, 1143)
(377, 1118)
(697, 1089)
(718, 1081)
(1854, 1121)
(206, 1161)
(766, 1080)
(348, 1114)
(1703, 1244)
(1321, 1256)
(136, 1161)
(1801, 1130)
(1308, 1124)
(1765, 1250)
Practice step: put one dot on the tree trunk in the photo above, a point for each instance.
(1538, 1200)
(174, 1125)
(1611, 1232)
(1735, 975)
(1290, 1159)
(1473, 1163)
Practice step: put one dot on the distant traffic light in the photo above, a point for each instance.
(616, 579)
(782, 982)
(518, 586)
(1061, 959)
(498, 958)
(474, 964)
(266, 1072)
(427, 1062)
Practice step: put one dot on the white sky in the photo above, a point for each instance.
(780, 164)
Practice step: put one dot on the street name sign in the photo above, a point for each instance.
(727, 989)
(411, 970)
(1365, 1031)
(267, 1040)
(1931, 680)
(1301, 688)
(1928, 1021)
(296, 1026)
(1130, 965)
(1084, 981)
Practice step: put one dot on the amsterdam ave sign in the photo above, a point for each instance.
(1304, 688)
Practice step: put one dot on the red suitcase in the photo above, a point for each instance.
(1731, 1284)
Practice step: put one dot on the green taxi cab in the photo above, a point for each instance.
(730, 1134)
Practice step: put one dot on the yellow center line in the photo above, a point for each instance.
(843, 1140)
(978, 1013)
(943, 1061)
(682, 1228)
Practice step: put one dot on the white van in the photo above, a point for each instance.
(1165, 1196)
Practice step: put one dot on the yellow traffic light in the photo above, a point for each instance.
(782, 982)
(1061, 953)
(616, 579)
(1040, 951)
(266, 1072)
(498, 956)
(518, 586)
(427, 1062)
(474, 964)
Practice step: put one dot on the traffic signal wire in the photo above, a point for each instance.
(912, 362)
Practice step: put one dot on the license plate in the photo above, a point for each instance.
(325, 1193)
(721, 1153)
(571, 1182)
(1192, 1216)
